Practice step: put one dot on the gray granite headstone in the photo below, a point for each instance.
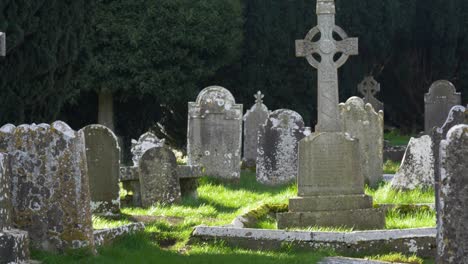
(417, 167)
(255, 117)
(215, 133)
(441, 97)
(452, 227)
(159, 181)
(145, 142)
(369, 87)
(103, 159)
(458, 115)
(277, 147)
(362, 122)
(330, 183)
(50, 190)
(5, 195)
(2, 44)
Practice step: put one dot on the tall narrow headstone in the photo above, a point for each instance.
(103, 159)
(362, 122)
(50, 190)
(215, 133)
(278, 140)
(440, 98)
(452, 227)
(330, 182)
(159, 181)
(2, 44)
(254, 119)
(146, 141)
(369, 87)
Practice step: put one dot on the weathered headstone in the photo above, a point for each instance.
(369, 87)
(159, 180)
(103, 159)
(452, 227)
(277, 147)
(362, 122)
(215, 133)
(441, 97)
(417, 167)
(145, 142)
(50, 193)
(254, 119)
(2, 44)
(330, 182)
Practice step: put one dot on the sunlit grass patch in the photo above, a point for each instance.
(391, 167)
(385, 194)
(397, 258)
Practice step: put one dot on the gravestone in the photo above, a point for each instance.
(277, 147)
(452, 227)
(215, 133)
(362, 122)
(50, 194)
(103, 159)
(417, 167)
(253, 121)
(330, 182)
(441, 97)
(369, 87)
(2, 44)
(145, 142)
(159, 181)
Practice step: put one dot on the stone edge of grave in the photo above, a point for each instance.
(106, 236)
(342, 260)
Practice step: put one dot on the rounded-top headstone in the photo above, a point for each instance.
(146, 141)
(277, 147)
(102, 154)
(215, 99)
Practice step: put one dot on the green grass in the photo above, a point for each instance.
(396, 138)
(401, 219)
(391, 167)
(168, 227)
(399, 258)
(386, 195)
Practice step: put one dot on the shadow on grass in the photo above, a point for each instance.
(140, 249)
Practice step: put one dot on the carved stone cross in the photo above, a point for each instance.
(259, 97)
(326, 48)
(369, 87)
(2, 44)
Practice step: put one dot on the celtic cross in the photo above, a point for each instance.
(326, 48)
(369, 87)
(2, 44)
(259, 97)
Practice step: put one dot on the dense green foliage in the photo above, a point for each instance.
(154, 56)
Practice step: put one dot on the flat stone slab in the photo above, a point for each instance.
(324, 203)
(106, 236)
(388, 177)
(420, 241)
(340, 260)
(14, 246)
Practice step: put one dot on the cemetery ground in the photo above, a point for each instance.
(168, 227)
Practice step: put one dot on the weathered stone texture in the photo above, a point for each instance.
(417, 168)
(215, 133)
(254, 119)
(50, 191)
(14, 246)
(452, 236)
(277, 147)
(103, 159)
(362, 122)
(5, 194)
(107, 236)
(369, 87)
(159, 181)
(145, 142)
(441, 97)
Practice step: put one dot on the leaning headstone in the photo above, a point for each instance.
(145, 142)
(277, 147)
(452, 227)
(362, 122)
(159, 180)
(214, 135)
(50, 194)
(14, 244)
(441, 97)
(103, 159)
(253, 121)
(369, 87)
(330, 182)
(417, 168)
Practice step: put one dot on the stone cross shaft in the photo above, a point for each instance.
(326, 48)
(2, 44)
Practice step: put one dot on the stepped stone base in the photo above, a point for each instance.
(325, 203)
(14, 246)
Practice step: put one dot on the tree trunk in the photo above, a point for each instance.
(106, 109)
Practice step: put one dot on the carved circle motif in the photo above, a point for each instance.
(326, 46)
